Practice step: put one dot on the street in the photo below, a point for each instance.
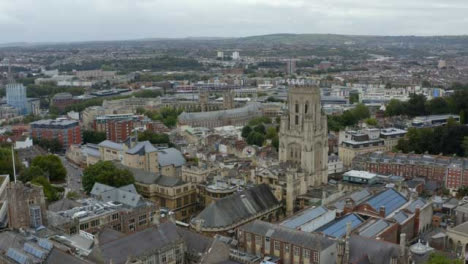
(74, 174)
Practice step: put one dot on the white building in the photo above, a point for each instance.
(235, 55)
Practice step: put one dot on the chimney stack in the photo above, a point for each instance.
(382, 211)
(402, 244)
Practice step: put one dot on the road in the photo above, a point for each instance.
(74, 174)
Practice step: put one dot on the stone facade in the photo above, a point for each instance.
(21, 198)
(303, 134)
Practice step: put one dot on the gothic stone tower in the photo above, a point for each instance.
(304, 136)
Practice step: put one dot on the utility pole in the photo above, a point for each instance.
(13, 160)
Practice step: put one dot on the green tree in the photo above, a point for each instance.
(50, 192)
(6, 163)
(361, 112)
(246, 131)
(52, 166)
(465, 145)
(462, 117)
(438, 106)
(31, 173)
(371, 121)
(416, 105)
(437, 258)
(353, 98)
(256, 138)
(154, 138)
(275, 143)
(106, 172)
(260, 129)
(93, 136)
(271, 133)
(394, 108)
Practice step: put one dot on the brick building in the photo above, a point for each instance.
(63, 100)
(119, 127)
(450, 171)
(67, 132)
(289, 245)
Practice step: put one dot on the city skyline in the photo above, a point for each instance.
(70, 21)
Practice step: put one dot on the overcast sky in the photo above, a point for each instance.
(81, 20)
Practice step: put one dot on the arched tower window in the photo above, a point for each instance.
(297, 107)
(306, 107)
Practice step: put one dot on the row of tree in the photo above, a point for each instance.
(448, 140)
(418, 105)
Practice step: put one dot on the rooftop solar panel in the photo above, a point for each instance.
(306, 216)
(337, 228)
(390, 199)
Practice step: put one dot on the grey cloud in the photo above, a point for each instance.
(76, 20)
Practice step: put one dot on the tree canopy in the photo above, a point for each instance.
(106, 172)
(51, 166)
(447, 140)
(94, 137)
(6, 163)
(154, 138)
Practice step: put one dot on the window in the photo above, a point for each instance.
(306, 108)
(84, 226)
(315, 256)
(115, 216)
(247, 237)
(296, 120)
(286, 248)
(277, 245)
(297, 107)
(142, 217)
(306, 253)
(95, 223)
(179, 202)
(257, 240)
(186, 199)
(132, 220)
(296, 251)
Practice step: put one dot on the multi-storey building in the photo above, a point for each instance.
(62, 100)
(453, 172)
(165, 161)
(170, 193)
(289, 245)
(121, 209)
(118, 127)
(16, 97)
(359, 142)
(67, 132)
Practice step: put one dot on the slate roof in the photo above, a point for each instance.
(92, 150)
(400, 217)
(139, 243)
(234, 208)
(373, 228)
(147, 177)
(111, 144)
(141, 148)
(126, 194)
(390, 199)
(337, 228)
(58, 256)
(170, 156)
(418, 203)
(62, 205)
(277, 232)
(377, 251)
(304, 217)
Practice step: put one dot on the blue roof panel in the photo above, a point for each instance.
(390, 199)
(337, 228)
(304, 217)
